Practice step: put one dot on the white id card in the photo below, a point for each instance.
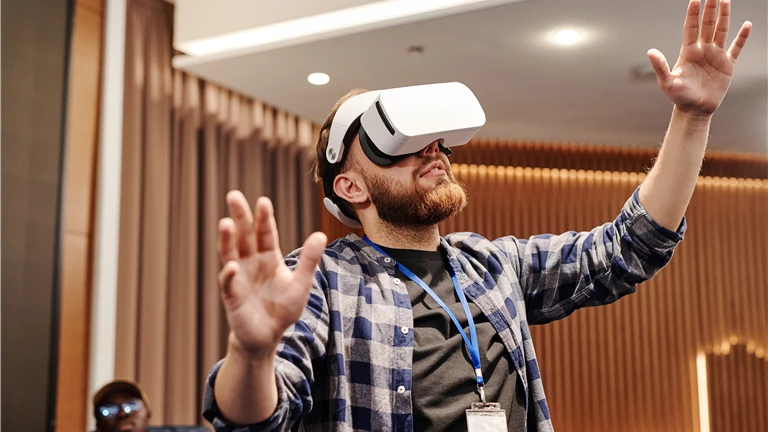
(486, 417)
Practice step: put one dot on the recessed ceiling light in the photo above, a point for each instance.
(567, 37)
(415, 50)
(643, 73)
(318, 78)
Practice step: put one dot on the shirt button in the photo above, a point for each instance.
(387, 260)
(401, 389)
(404, 330)
(396, 281)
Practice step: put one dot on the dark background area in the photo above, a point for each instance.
(35, 40)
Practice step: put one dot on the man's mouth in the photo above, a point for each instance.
(435, 169)
(127, 426)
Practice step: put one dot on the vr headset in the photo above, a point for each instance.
(395, 123)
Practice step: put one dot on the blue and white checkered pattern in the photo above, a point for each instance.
(346, 365)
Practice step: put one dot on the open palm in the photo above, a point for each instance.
(261, 295)
(700, 79)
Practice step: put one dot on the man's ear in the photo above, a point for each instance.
(349, 186)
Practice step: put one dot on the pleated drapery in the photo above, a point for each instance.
(186, 143)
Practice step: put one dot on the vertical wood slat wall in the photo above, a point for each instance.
(577, 156)
(737, 375)
(631, 366)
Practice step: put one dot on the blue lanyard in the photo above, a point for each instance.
(471, 342)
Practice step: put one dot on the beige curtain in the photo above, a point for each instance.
(185, 144)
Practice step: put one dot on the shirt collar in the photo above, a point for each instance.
(373, 255)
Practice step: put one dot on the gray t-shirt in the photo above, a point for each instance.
(443, 385)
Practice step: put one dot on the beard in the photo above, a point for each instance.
(411, 203)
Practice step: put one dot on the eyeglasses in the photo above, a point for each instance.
(111, 410)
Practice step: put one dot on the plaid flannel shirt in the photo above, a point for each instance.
(346, 364)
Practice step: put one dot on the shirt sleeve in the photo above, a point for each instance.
(303, 345)
(562, 273)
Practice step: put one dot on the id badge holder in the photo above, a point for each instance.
(486, 417)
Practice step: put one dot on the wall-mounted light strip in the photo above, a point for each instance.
(335, 23)
(701, 378)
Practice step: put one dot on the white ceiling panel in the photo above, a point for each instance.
(529, 87)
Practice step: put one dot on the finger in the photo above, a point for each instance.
(225, 278)
(309, 258)
(723, 22)
(660, 65)
(266, 227)
(241, 213)
(738, 44)
(708, 21)
(691, 28)
(226, 245)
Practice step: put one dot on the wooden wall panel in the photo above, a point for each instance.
(95, 5)
(72, 385)
(578, 156)
(72, 399)
(83, 119)
(631, 366)
(737, 382)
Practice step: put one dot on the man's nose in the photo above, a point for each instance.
(430, 150)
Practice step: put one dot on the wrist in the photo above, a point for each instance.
(259, 355)
(246, 389)
(691, 117)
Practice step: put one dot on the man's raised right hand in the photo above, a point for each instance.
(262, 296)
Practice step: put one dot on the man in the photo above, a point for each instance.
(351, 337)
(121, 405)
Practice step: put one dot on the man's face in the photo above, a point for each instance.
(134, 421)
(419, 190)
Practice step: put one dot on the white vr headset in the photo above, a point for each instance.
(395, 123)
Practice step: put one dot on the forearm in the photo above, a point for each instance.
(667, 190)
(246, 388)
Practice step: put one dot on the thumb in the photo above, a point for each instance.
(660, 65)
(228, 290)
(309, 258)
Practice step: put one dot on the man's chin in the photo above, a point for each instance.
(127, 427)
(429, 203)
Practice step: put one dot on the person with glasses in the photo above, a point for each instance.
(121, 405)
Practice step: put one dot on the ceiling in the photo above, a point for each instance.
(529, 87)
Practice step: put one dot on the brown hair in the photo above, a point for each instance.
(321, 166)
